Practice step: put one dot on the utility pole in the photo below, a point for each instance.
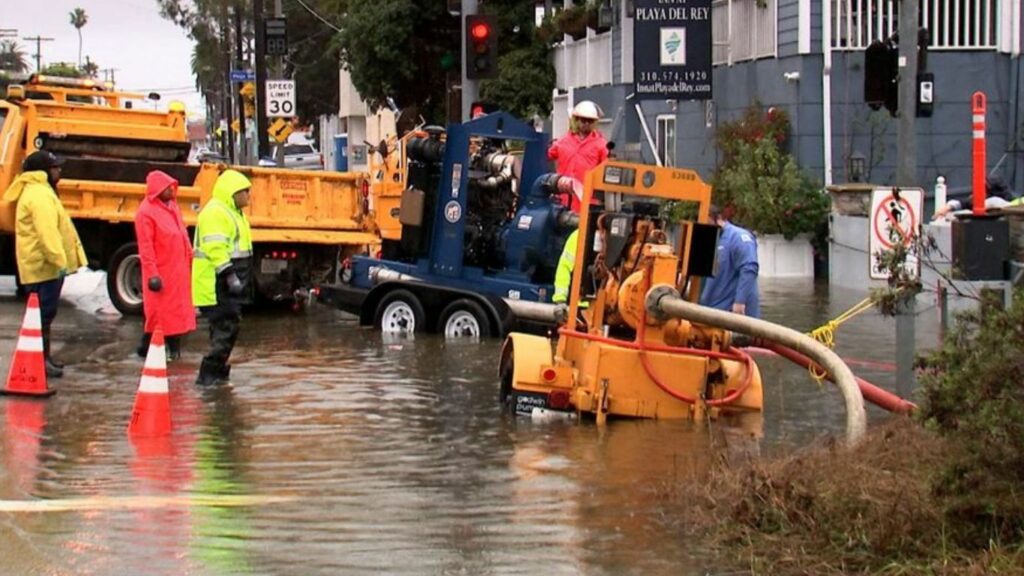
(108, 74)
(906, 176)
(225, 46)
(243, 148)
(470, 88)
(261, 80)
(279, 73)
(39, 49)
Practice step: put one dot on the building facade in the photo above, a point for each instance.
(807, 57)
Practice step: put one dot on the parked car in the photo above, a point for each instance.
(302, 156)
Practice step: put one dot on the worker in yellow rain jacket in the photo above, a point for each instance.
(222, 270)
(46, 242)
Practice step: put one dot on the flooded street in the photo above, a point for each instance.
(339, 452)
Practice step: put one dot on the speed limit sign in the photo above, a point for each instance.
(280, 98)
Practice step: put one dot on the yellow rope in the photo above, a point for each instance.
(826, 333)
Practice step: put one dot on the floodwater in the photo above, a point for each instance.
(339, 452)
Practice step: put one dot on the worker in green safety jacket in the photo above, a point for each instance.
(563, 273)
(221, 271)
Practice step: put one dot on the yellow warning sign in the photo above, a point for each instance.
(280, 129)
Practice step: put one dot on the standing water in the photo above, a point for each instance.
(340, 451)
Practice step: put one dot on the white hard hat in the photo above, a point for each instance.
(586, 109)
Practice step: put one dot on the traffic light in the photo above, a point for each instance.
(881, 85)
(481, 47)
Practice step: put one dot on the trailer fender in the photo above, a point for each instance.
(522, 357)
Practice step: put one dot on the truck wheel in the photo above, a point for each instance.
(124, 280)
(400, 312)
(464, 318)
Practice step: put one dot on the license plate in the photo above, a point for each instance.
(273, 265)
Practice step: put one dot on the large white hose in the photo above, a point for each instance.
(664, 301)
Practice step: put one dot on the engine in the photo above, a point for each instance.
(511, 228)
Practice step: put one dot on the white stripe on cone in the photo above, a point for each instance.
(156, 359)
(33, 319)
(30, 343)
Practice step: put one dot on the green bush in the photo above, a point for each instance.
(759, 184)
(768, 191)
(973, 389)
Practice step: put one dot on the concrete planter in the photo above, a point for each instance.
(781, 258)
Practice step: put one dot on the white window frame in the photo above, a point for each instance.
(665, 138)
(743, 30)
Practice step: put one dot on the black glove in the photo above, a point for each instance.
(235, 287)
(155, 284)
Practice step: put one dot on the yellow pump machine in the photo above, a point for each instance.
(613, 356)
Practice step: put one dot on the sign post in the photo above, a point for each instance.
(895, 219)
(280, 98)
(672, 50)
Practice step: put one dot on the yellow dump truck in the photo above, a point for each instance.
(303, 222)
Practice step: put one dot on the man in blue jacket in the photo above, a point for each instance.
(734, 285)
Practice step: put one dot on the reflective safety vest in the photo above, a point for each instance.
(563, 273)
(222, 236)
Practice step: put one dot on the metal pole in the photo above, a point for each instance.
(906, 176)
(906, 145)
(39, 49)
(243, 147)
(470, 88)
(279, 74)
(261, 80)
(228, 114)
(647, 133)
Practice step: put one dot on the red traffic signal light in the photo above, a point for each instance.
(480, 31)
(481, 50)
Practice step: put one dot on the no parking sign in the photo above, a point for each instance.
(895, 219)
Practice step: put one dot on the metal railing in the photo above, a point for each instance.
(743, 30)
(954, 24)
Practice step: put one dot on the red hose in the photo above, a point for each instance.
(736, 355)
(877, 396)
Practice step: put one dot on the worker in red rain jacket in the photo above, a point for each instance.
(581, 148)
(166, 256)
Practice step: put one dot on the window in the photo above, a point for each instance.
(666, 140)
(954, 24)
(742, 30)
(296, 149)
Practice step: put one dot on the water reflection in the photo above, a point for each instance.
(392, 455)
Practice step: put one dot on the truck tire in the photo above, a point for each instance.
(400, 312)
(464, 318)
(124, 280)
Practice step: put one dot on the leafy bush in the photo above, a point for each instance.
(760, 183)
(974, 394)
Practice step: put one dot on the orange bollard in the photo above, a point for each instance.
(151, 415)
(27, 375)
(978, 191)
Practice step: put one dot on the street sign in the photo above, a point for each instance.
(672, 50)
(895, 219)
(280, 98)
(243, 76)
(280, 129)
(276, 35)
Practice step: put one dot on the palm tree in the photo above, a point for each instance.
(12, 57)
(79, 19)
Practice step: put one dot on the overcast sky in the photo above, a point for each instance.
(150, 54)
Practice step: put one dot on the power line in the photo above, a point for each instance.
(319, 17)
(39, 48)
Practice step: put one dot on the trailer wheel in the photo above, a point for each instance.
(400, 312)
(464, 318)
(124, 280)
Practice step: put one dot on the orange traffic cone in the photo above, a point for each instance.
(151, 415)
(27, 376)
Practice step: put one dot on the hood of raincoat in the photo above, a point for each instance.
(18, 186)
(229, 182)
(157, 181)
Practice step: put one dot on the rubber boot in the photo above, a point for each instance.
(173, 348)
(209, 373)
(225, 374)
(143, 348)
(46, 351)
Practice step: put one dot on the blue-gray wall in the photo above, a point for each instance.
(944, 141)
(788, 27)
